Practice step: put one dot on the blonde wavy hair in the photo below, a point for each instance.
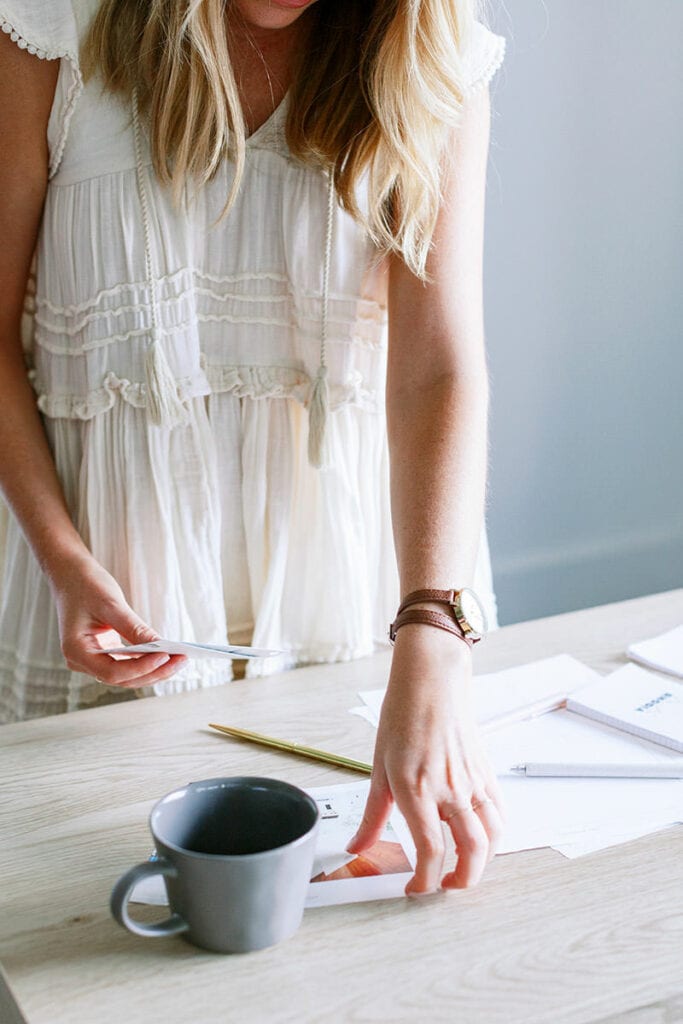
(384, 106)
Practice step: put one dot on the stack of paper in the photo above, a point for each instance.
(664, 652)
(500, 693)
(572, 815)
(580, 815)
(637, 701)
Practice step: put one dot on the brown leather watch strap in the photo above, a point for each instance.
(430, 618)
(417, 596)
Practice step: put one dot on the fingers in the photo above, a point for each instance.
(476, 830)
(140, 671)
(83, 653)
(491, 819)
(130, 626)
(493, 816)
(424, 823)
(492, 788)
(377, 810)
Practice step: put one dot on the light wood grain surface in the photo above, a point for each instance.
(541, 940)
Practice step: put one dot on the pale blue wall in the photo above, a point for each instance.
(584, 304)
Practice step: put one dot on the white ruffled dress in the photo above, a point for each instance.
(219, 529)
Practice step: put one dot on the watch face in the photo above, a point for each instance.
(473, 611)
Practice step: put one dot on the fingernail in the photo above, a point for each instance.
(419, 892)
(420, 895)
(161, 660)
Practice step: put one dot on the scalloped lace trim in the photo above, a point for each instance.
(24, 44)
(494, 63)
(73, 92)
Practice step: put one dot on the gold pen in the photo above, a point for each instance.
(294, 748)
(540, 707)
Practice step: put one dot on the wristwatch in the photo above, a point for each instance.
(466, 617)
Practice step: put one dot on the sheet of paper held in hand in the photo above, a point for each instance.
(380, 872)
(193, 650)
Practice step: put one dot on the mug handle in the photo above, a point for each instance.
(121, 892)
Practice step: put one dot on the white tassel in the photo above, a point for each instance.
(318, 411)
(163, 404)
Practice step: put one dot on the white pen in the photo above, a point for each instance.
(602, 771)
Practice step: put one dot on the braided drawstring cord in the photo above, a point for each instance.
(164, 407)
(318, 412)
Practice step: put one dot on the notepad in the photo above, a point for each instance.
(664, 652)
(635, 701)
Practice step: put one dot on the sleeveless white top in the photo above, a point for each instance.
(218, 529)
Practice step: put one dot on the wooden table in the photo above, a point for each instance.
(541, 940)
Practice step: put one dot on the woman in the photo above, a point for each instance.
(247, 219)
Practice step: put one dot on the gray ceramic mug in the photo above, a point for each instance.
(236, 855)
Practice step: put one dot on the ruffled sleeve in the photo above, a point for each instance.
(51, 32)
(482, 58)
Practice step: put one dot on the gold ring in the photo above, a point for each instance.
(486, 800)
(458, 810)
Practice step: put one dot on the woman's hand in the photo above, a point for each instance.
(430, 760)
(90, 604)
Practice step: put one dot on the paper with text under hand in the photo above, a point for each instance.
(378, 873)
(192, 650)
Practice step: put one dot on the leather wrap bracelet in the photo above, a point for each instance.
(448, 597)
(429, 616)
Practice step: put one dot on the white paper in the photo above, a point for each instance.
(563, 736)
(637, 701)
(587, 812)
(192, 650)
(577, 816)
(663, 652)
(499, 693)
(592, 842)
(381, 872)
(367, 713)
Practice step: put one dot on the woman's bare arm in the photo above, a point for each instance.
(29, 480)
(428, 756)
(86, 596)
(437, 384)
